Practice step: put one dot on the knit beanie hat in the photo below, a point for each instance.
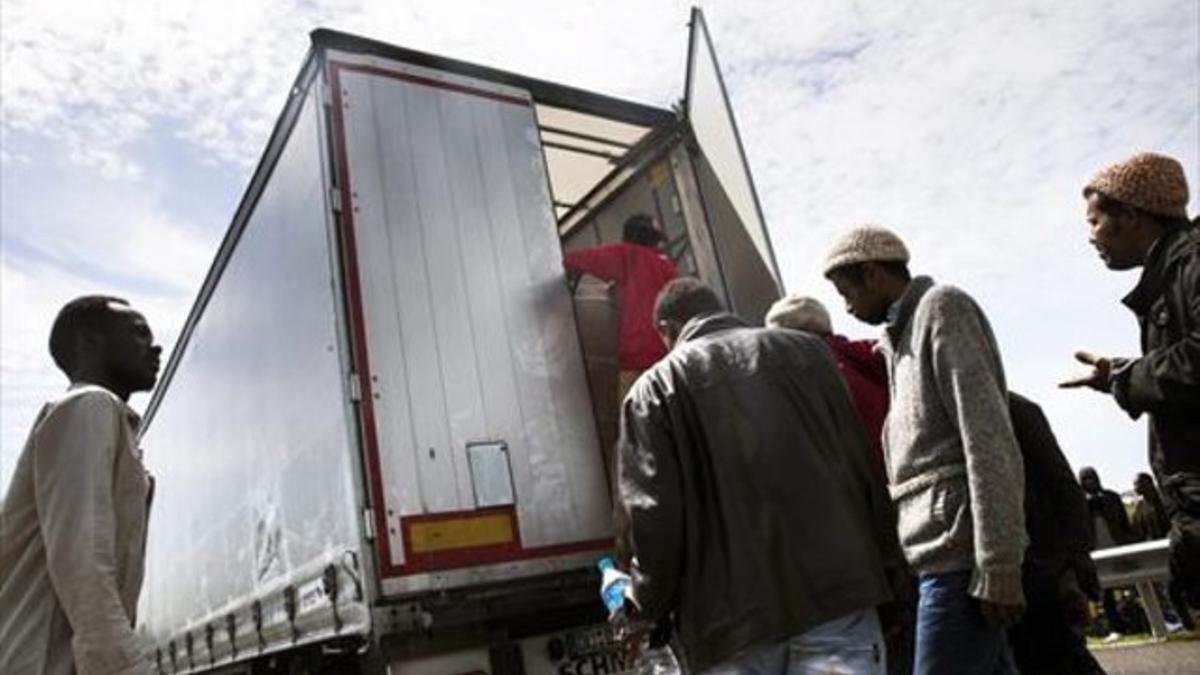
(799, 312)
(865, 243)
(1148, 181)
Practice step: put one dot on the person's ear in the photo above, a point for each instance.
(668, 332)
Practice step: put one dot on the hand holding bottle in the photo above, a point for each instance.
(615, 586)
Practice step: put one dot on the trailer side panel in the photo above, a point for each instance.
(251, 444)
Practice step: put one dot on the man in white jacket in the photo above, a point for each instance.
(73, 523)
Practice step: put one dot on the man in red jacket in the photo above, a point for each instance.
(863, 369)
(640, 270)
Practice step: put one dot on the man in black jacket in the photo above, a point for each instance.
(1149, 520)
(756, 524)
(1137, 214)
(1058, 574)
(1108, 526)
(1109, 521)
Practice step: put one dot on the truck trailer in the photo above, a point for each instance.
(383, 440)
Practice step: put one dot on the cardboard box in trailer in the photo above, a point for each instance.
(383, 438)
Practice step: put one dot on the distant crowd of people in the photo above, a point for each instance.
(1110, 525)
(787, 500)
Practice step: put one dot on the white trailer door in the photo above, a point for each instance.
(743, 248)
(477, 421)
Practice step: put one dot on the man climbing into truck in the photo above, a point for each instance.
(639, 270)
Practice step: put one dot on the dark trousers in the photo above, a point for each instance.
(1181, 497)
(1048, 640)
(1112, 614)
(1180, 605)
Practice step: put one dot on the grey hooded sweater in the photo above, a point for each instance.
(953, 462)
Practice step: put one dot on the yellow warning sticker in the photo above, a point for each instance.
(457, 533)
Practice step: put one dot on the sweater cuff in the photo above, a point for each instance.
(1000, 586)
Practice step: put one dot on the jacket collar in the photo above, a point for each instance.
(907, 305)
(707, 324)
(134, 418)
(1163, 254)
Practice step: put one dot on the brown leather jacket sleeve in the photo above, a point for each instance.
(869, 475)
(650, 493)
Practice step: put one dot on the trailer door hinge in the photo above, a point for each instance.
(355, 388)
(335, 199)
(369, 524)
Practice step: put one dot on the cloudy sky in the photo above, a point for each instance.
(129, 130)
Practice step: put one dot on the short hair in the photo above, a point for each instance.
(856, 273)
(1112, 206)
(800, 312)
(684, 299)
(85, 313)
(639, 229)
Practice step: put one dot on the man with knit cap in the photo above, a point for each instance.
(865, 373)
(954, 467)
(862, 367)
(1137, 217)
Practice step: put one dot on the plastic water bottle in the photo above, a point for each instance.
(613, 585)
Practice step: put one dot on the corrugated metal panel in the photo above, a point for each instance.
(468, 318)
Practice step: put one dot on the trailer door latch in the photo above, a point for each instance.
(368, 516)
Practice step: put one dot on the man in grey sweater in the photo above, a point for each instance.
(953, 463)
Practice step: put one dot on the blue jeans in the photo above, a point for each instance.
(851, 645)
(953, 638)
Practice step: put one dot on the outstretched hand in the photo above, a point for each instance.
(1097, 378)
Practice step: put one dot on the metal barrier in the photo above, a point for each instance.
(1141, 566)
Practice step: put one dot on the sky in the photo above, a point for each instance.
(128, 132)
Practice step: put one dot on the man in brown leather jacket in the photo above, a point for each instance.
(756, 524)
(1137, 215)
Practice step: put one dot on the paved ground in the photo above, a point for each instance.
(1168, 658)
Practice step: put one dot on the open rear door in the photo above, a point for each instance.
(482, 450)
(741, 245)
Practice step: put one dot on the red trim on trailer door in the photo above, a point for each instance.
(487, 555)
(358, 349)
(471, 556)
(445, 560)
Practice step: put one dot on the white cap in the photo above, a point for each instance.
(800, 312)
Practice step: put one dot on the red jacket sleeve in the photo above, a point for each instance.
(603, 262)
